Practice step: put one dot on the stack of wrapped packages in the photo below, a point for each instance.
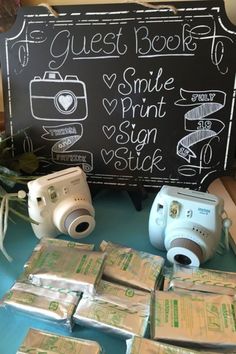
(53, 279)
(67, 282)
(121, 304)
(40, 342)
(196, 309)
(124, 292)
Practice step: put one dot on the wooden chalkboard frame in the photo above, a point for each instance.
(138, 97)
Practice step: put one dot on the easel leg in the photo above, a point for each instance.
(137, 196)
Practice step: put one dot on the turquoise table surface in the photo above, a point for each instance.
(117, 220)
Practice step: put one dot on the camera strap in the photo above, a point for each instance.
(226, 226)
(224, 244)
(4, 211)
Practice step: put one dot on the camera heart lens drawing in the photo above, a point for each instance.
(65, 102)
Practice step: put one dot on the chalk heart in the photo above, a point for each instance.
(109, 131)
(109, 106)
(109, 80)
(65, 101)
(107, 155)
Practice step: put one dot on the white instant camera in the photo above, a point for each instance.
(61, 203)
(186, 223)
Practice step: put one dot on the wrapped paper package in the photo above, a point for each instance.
(64, 243)
(46, 304)
(194, 319)
(115, 309)
(167, 273)
(40, 342)
(133, 268)
(63, 264)
(199, 279)
(139, 345)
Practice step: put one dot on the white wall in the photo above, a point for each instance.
(229, 4)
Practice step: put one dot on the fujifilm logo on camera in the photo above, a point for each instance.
(186, 223)
(204, 211)
(61, 204)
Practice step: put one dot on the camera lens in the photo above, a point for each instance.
(184, 251)
(83, 226)
(182, 259)
(79, 223)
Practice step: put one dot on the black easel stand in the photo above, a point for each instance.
(137, 196)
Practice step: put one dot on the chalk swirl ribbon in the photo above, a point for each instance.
(66, 136)
(197, 120)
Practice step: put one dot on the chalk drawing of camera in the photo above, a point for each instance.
(54, 98)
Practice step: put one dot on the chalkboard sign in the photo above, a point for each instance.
(134, 95)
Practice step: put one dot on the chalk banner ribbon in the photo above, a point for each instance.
(66, 136)
(197, 120)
